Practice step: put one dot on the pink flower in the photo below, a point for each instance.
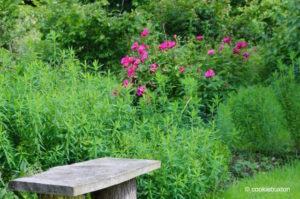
(182, 69)
(143, 56)
(136, 63)
(162, 46)
(199, 37)
(142, 48)
(174, 36)
(166, 45)
(241, 44)
(153, 67)
(171, 44)
(221, 48)
(125, 61)
(210, 73)
(236, 51)
(135, 46)
(144, 33)
(227, 40)
(125, 83)
(131, 71)
(210, 52)
(141, 90)
(246, 54)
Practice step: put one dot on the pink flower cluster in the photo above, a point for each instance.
(153, 67)
(236, 50)
(241, 45)
(238, 46)
(131, 63)
(227, 40)
(126, 61)
(144, 33)
(209, 73)
(199, 38)
(221, 48)
(210, 52)
(166, 45)
(141, 90)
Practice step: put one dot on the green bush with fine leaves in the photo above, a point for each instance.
(53, 116)
(253, 120)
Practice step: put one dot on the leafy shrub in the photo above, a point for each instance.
(196, 68)
(59, 115)
(93, 33)
(9, 12)
(194, 162)
(188, 17)
(284, 44)
(253, 120)
(288, 94)
(254, 20)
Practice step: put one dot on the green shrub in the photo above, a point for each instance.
(288, 94)
(59, 115)
(188, 17)
(194, 162)
(285, 44)
(254, 20)
(9, 12)
(92, 32)
(253, 120)
(180, 69)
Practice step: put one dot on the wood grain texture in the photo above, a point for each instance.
(84, 177)
(44, 196)
(125, 190)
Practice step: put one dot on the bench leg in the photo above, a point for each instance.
(125, 190)
(44, 196)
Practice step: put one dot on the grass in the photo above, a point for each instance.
(285, 177)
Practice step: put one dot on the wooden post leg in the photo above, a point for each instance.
(125, 190)
(44, 196)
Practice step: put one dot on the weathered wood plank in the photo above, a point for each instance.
(85, 177)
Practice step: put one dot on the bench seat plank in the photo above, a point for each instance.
(84, 177)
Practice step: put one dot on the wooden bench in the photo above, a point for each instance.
(105, 178)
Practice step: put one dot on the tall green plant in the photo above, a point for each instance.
(253, 120)
(9, 12)
(288, 94)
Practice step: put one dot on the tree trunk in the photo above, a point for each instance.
(125, 190)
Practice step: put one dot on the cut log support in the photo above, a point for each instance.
(125, 190)
(45, 196)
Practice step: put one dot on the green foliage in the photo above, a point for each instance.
(60, 115)
(188, 17)
(231, 70)
(254, 20)
(194, 161)
(92, 32)
(9, 12)
(60, 104)
(253, 120)
(248, 164)
(285, 42)
(288, 94)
